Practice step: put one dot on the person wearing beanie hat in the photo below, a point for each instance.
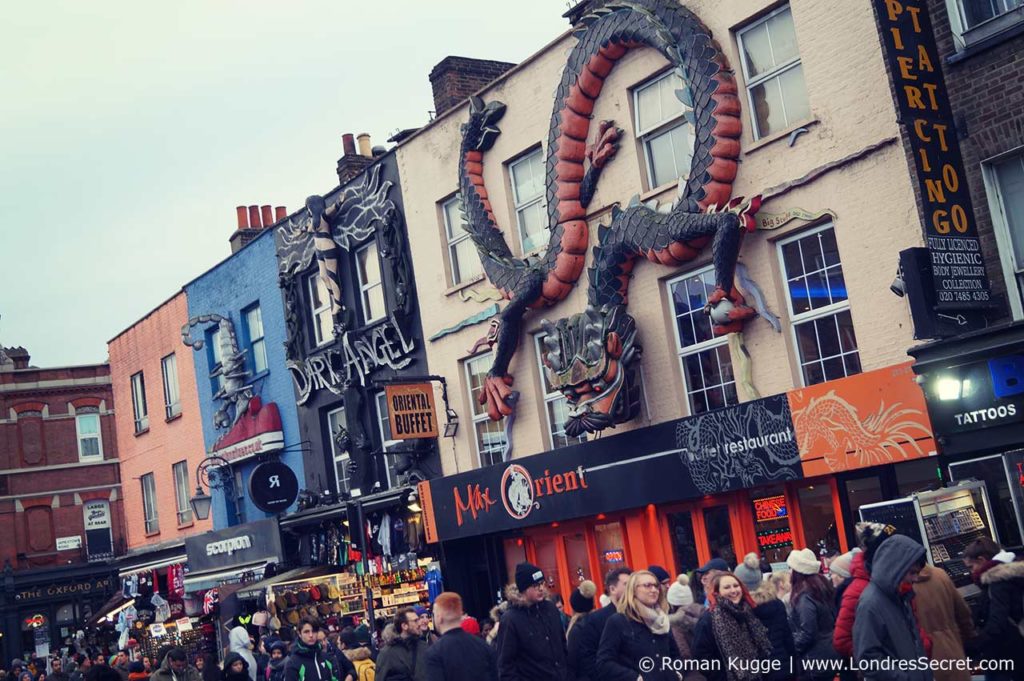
(664, 578)
(136, 672)
(749, 571)
(684, 613)
(275, 666)
(839, 567)
(870, 537)
(813, 618)
(585, 637)
(531, 641)
(581, 600)
(804, 562)
(680, 594)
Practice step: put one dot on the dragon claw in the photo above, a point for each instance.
(606, 145)
(728, 311)
(497, 396)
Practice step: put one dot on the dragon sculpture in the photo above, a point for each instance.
(591, 357)
(235, 391)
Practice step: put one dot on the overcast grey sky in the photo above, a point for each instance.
(129, 131)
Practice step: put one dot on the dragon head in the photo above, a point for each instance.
(480, 131)
(592, 358)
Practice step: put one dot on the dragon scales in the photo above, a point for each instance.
(591, 357)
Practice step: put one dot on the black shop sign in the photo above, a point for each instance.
(958, 269)
(978, 395)
(86, 587)
(273, 486)
(234, 546)
(733, 448)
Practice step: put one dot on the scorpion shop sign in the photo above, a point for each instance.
(868, 419)
(958, 268)
(358, 357)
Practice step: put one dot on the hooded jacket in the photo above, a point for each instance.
(308, 663)
(531, 644)
(1001, 610)
(366, 669)
(775, 619)
(884, 626)
(275, 668)
(164, 673)
(238, 642)
(228, 675)
(625, 643)
(460, 656)
(944, 614)
(403, 660)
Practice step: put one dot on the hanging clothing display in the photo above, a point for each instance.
(176, 581)
(384, 535)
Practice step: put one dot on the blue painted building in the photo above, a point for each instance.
(240, 297)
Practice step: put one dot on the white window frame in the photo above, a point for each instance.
(1001, 229)
(239, 501)
(645, 135)
(82, 456)
(321, 336)
(140, 409)
(217, 360)
(830, 310)
(172, 392)
(366, 287)
(520, 205)
(150, 509)
(182, 499)
(257, 344)
(336, 457)
(682, 352)
(554, 430)
(482, 417)
(455, 236)
(751, 83)
(964, 36)
(383, 425)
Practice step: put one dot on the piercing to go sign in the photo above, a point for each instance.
(411, 412)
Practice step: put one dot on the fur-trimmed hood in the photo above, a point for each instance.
(1003, 572)
(357, 654)
(514, 598)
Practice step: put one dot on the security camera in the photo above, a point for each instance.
(897, 286)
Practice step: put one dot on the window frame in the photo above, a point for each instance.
(238, 486)
(810, 316)
(214, 358)
(776, 72)
(1001, 229)
(182, 495)
(149, 504)
(335, 456)
(549, 398)
(477, 419)
(965, 37)
(644, 136)
(252, 340)
(453, 240)
(382, 418)
(682, 352)
(316, 313)
(519, 206)
(172, 407)
(365, 287)
(98, 437)
(139, 404)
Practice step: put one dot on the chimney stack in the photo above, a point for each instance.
(243, 217)
(352, 163)
(254, 218)
(348, 144)
(280, 213)
(268, 216)
(454, 79)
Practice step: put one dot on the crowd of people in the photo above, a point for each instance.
(848, 618)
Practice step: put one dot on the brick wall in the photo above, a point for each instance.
(456, 78)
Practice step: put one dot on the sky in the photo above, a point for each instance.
(129, 131)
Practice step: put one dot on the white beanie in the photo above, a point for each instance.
(680, 594)
(604, 600)
(803, 561)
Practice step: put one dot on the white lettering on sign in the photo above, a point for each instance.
(984, 415)
(275, 480)
(229, 546)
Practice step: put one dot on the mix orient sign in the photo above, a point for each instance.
(958, 268)
(746, 445)
(411, 411)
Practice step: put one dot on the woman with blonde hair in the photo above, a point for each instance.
(638, 631)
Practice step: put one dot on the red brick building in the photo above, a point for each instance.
(61, 521)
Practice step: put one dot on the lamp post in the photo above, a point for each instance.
(201, 502)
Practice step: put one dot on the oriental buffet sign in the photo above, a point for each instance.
(359, 356)
(519, 493)
(100, 585)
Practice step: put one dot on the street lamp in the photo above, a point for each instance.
(201, 502)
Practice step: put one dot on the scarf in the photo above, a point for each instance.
(740, 635)
(654, 618)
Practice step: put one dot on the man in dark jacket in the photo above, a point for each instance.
(175, 667)
(585, 636)
(405, 658)
(457, 655)
(884, 627)
(1001, 579)
(531, 645)
(57, 672)
(308, 661)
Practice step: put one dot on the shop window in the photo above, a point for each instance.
(556, 406)
(863, 491)
(390, 462)
(577, 557)
(662, 130)
(772, 523)
(489, 435)
(819, 307)
(684, 541)
(818, 517)
(718, 529)
(974, 12)
(172, 396)
(149, 507)
(704, 357)
(973, 21)
(181, 492)
(547, 561)
(237, 497)
(992, 471)
(463, 258)
(336, 425)
(215, 357)
(371, 286)
(527, 175)
(921, 475)
(90, 442)
(253, 317)
(320, 305)
(1004, 183)
(773, 73)
(611, 547)
(139, 403)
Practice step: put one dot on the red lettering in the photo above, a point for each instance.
(476, 502)
(558, 484)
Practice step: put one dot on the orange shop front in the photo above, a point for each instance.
(761, 476)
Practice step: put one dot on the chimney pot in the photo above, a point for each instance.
(280, 213)
(348, 143)
(364, 144)
(243, 217)
(254, 218)
(268, 216)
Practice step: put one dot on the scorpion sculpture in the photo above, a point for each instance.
(591, 357)
(235, 391)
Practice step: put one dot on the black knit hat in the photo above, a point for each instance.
(528, 574)
(582, 597)
(870, 536)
